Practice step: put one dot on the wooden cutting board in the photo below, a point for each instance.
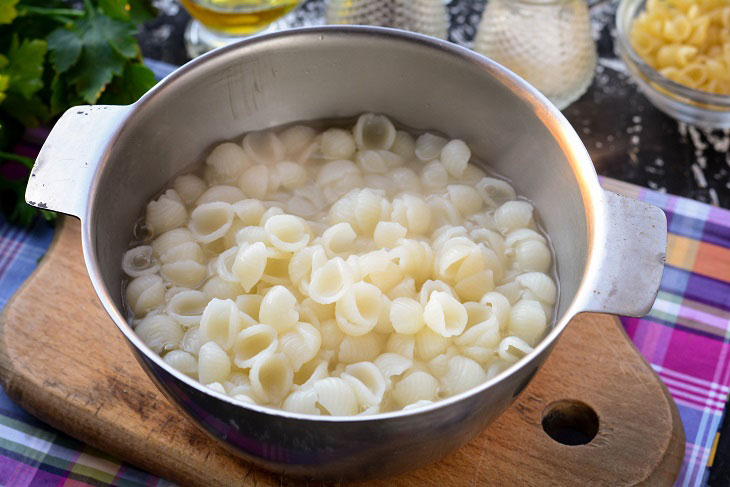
(63, 360)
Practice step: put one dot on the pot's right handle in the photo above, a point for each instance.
(630, 271)
(63, 171)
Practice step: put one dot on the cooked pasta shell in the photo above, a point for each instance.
(191, 341)
(337, 144)
(363, 348)
(540, 284)
(189, 187)
(494, 192)
(338, 239)
(373, 131)
(225, 162)
(464, 373)
(444, 314)
(392, 365)
(211, 221)
(264, 147)
(303, 401)
(527, 321)
(278, 309)
(513, 348)
(159, 332)
(406, 315)
(169, 240)
(166, 212)
(403, 345)
(533, 255)
(291, 174)
(434, 176)
(404, 145)
(296, 139)
(358, 310)
(222, 193)
(367, 382)
(182, 361)
(139, 261)
(271, 377)
(417, 386)
(336, 396)
(429, 344)
(187, 307)
(220, 322)
(330, 282)
(252, 343)
(428, 146)
(214, 365)
(499, 307)
(288, 233)
(145, 293)
(513, 214)
(300, 345)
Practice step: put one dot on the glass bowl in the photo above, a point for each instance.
(681, 102)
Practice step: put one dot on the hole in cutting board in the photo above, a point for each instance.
(570, 422)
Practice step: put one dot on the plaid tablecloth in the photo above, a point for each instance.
(686, 338)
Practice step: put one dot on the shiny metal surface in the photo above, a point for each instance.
(339, 72)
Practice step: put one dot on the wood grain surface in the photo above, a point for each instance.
(64, 360)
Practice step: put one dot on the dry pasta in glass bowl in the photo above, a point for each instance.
(356, 269)
(678, 52)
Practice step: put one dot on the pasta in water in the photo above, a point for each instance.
(348, 271)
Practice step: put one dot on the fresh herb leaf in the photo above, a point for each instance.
(8, 11)
(25, 66)
(65, 48)
(135, 11)
(105, 46)
(115, 9)
(141, 11)
(126, 89)
(4, 83)
(28, 111)
(89, 55)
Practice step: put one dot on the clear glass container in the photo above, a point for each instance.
(424, 16)
(547, 42)
(685, 104)
(217, 23)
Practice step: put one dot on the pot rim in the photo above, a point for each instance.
(569, 141)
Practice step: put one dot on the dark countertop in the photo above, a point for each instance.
(626, 136)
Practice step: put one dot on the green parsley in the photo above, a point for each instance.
(54, 56)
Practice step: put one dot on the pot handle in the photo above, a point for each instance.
(630, 270)
(63, 171)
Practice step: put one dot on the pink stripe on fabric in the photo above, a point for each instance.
(652, 339)
(11, 251)
(8, 246)
(704, 392)
(21, 475)
(707, 318)
(702, 403)
(691, 403)
(719, 216)
(688, 378)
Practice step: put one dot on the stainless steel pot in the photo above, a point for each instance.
(103, 163)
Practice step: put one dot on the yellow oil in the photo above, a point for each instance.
(238, 17)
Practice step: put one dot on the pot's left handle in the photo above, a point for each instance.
(63, 171)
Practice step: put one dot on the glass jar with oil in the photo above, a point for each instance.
(220, 22)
